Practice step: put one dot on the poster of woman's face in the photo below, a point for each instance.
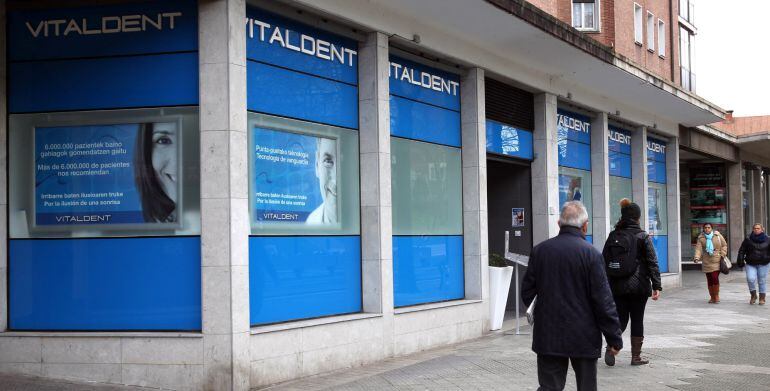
(157, 171)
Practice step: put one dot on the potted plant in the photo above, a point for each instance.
(499, 283)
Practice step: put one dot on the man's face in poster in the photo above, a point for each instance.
(326, 171)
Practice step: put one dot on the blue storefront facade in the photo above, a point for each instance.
(228, 195)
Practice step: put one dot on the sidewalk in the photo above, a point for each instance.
(692, 345)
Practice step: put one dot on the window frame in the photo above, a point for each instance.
(638, 24)
(661, 38)
(650, 32)
(597, 18)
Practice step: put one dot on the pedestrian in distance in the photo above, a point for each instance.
(754, 254)
(574, 304)
(710, 247)
(634, 276)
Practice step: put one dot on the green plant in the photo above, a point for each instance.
(496, 260)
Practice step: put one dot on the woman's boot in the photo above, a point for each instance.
(711, 294)
(761, 299)
(716, 293)
(753, 297)
(636, 351)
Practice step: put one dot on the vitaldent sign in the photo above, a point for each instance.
(423, 79)
(105, 25)
(656, 147)
(573, 124)
(620, 137)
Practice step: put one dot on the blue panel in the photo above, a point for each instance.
(620, 164)
(656, 171)
(302, 277)
(286, 43)
(656, 150)
(590, 239)
(108, 30)
(661, 249)
(108, 83)
(573, 126)
(105, 284)
(422, 83)
(427, 269)
(619, 140)
(508, 140)
(575, 155)
(278, 91)
(418, 121)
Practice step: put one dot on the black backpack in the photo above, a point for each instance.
(621, 256)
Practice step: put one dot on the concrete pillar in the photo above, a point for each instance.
(735, 207)
(756, 191)
(3, 178)
(600, 179)
(545, 170)
(474, 156)
(672, 200)
(376, 206)
(224, 195)
(639, 171)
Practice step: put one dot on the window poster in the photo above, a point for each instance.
(295, 178)
(570, 188)
(107, 175)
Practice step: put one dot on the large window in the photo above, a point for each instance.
(638, 33)
(686, 58)
(661, 38)
(585, 14)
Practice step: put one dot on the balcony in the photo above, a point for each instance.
(688, 79)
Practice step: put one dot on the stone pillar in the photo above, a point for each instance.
(672, 200)
(376, 206)
(639, 171)
(756, 191)
(545, 170)
(3, 178)
(735, 207)
(224, 195)
(474, 156)
(600, 179)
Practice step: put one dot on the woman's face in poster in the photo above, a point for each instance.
(164, 153)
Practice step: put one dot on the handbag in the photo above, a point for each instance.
(531, 312)
(725, 265)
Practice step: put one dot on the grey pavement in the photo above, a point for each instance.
(692, 345)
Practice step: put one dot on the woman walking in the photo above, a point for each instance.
(755, 255)
(709, 249)
(632, 270)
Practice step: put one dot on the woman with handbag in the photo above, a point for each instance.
(755, 255)
(710, 247)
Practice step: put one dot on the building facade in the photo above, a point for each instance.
(230, 194)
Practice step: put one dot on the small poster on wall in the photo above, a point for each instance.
(517, 217)
(107, 175)
(295, 178)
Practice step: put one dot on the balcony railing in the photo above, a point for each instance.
(688, 79)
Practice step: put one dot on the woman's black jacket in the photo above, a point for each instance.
(647, 275)
(754, 253)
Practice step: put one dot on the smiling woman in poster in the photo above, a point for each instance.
(326, 172)
(155, 161)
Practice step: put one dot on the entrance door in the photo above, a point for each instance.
(509, 204)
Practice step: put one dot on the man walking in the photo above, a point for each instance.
(574, 304)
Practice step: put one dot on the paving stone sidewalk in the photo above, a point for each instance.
(692, 345)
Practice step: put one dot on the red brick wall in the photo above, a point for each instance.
(545, 5)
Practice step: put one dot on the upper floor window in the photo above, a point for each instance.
(585, 14)
(686, 59)
(650, 31)
(687, 10)
(661, 38)
(638, 33)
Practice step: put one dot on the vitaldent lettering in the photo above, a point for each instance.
(655, 147)
(620, 137)
(292, 40)
(107, 25)
(423, 79)
(83, 219)
(574, 124)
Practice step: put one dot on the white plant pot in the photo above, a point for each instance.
(499, 284)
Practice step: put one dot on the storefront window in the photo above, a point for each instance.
(657, 203)
(574, 149)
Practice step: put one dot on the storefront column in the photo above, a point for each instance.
(757, 190)
(3, 180)
(600, 179)
(545, 170)
(376, 206)
(474, 157)
(224, 195)
(735, 207)
(639, 171)
(672, 200)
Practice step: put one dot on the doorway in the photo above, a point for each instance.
(509, 205)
